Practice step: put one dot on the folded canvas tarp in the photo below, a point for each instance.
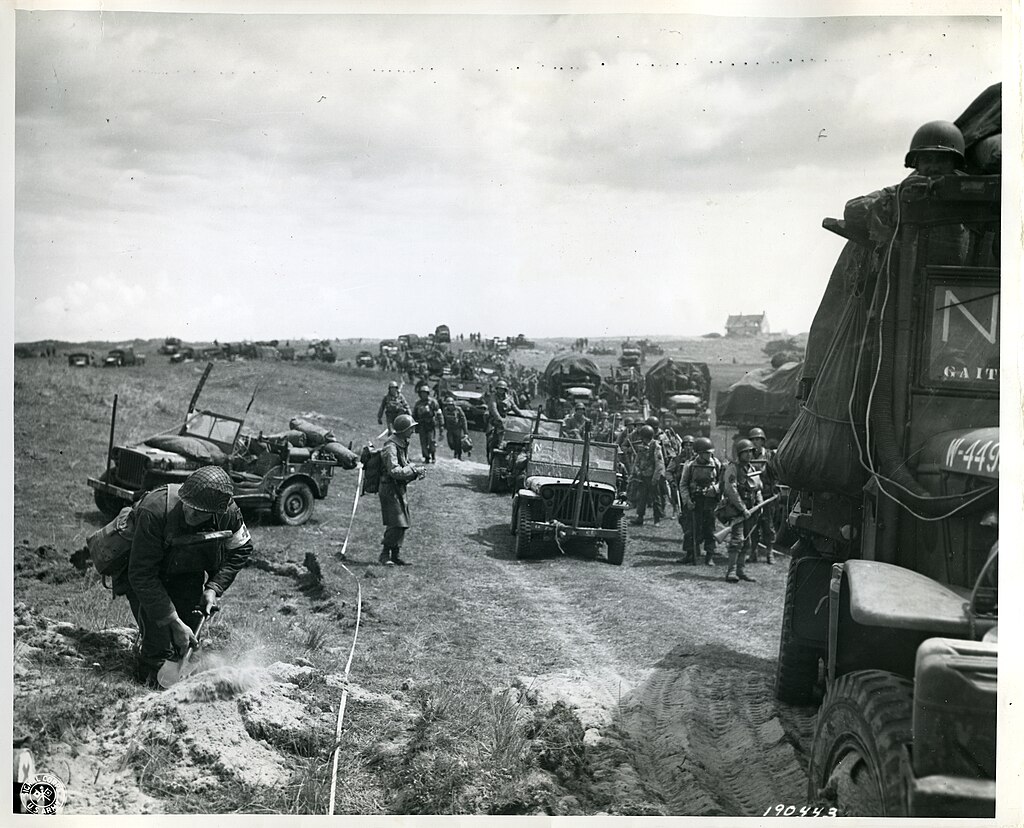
(571, 369)
(766, 396)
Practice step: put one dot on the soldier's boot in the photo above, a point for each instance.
(769, 555)
(709, 557)
(743, 576)
(385, 557)
(730, 573)
(689, 557)
(396, 558)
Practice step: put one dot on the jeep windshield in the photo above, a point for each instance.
(519, 429)
(570, 453)
(217, 428)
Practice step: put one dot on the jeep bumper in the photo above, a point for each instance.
(110, 489)
(562, 531)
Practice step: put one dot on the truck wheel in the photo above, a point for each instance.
(617, 545)
(860, 762)
(493, 479)
(107, 504)
(524, 541)
(294, 504)
(796, 671)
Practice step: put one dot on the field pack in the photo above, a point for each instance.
(372, 467)
(110, 546)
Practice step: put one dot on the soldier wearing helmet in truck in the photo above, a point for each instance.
(176, 574)
(498, 408)
(936, 149)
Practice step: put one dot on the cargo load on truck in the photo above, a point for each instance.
(765, 397)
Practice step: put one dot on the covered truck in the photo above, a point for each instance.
(765, 397)
(569, 377)
(891, 605)
(678, 393)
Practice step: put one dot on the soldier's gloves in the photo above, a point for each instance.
(182, 635)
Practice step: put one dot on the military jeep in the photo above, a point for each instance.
(570, 495)
(508, 458)
(265, 472)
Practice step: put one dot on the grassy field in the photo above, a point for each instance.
(454, 644)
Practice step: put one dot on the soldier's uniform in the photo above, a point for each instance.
(427, 414)
(391, 406)
(648, 471)
(572, 426)
(396, 472)
(497, 410)
(455, 427)
(764, 528)
(699, 493)
(742, 491)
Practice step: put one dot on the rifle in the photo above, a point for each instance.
(721, 533)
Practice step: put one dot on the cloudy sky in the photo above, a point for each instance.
(255, 176)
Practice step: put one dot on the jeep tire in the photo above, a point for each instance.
(293, 505)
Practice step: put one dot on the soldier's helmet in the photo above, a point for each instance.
(936, 136)
(207, 490)
(653, 422)
(627, 421)
(741, 446)
(756, 434)
(687, 438)
(423, 389)
(501, 385)
(703, 444)
(392, 384)
(448, 399)
(579, 407)
(403, 423)
(646, 433)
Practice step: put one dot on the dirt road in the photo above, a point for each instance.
(673, 660)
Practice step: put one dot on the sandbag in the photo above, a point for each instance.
(343, 456)
(315, 435)
(294, 437)
(190, 447)
(820, 451)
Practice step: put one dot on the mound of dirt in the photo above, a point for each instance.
(44, 563)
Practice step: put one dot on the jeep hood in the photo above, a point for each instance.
(537, 482)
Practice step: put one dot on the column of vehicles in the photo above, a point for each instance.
(891, 608)
(285, 472)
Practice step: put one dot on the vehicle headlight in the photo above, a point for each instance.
(547, 493)
(605, 500)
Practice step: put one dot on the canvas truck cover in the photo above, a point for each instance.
(669, 375)
(767, 394)
(570, 369)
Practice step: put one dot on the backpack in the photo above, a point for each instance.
(110, 547)
(372, 464)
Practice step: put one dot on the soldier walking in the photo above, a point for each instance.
(392, 405)
(427, 414)
(742, 491)
(699, 493)
(764, 525)
(648, 471)
(455, 425)
(395, 474)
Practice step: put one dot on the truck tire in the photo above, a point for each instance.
(493, 478)
(796, 671)
(617, 545)
(108, 505)
(294, 504)
(860, 762)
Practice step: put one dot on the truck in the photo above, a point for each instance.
(891, 607)
(572, 495)
(678, 393)
(508, 458)
(631, 356)
(442, 335)
(171, 346)
(569, 378)
(765, 397)
(265, 472)
(120, 357)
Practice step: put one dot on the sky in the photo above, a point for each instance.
(261, 176)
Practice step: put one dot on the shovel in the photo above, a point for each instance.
(171, 672)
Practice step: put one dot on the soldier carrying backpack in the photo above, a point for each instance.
(699, 493)
(174, 555)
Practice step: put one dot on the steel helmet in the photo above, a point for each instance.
(448, 398)
(580, 407)
(653, 422)
(940, 136)
(703, 444)
(207, 490)
(501, 385)
(423, 389)
(628, 421)
(687, 438)
(742, 446)
(756, 433)
(403, 423)
(646, 432)
(392, 384)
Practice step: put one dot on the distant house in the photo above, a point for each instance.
(750, 325)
